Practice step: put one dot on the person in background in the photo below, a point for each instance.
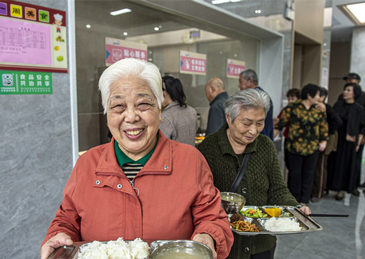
(262, 183)
(248, 79)
(141, 184)
(308, 134)
(217, 96)
(334, 122)
(293, 95)
(179, 120)
(342, 170)
(355, 78)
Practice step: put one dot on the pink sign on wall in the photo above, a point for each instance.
(192, 63)
(234, 68)
(23, 42)
(116, 49)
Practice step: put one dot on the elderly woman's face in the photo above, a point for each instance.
(246, 127)
(133, 116)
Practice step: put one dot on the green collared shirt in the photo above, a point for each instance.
(123, 158)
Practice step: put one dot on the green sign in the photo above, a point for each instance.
(43, 16)
(21, 82)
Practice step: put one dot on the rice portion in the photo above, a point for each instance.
(282, 224)
(119, 249)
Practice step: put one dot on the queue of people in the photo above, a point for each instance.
(129, 187)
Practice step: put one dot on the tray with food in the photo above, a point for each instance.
(136, 249)
(272, 220)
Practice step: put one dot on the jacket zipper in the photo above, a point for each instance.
(134, 188)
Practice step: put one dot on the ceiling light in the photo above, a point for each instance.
(121, 11)
(258, 11)
(125, 33)
(220, 1)
(224, 1)
(356, 12)
(88, 26)
(157, 28)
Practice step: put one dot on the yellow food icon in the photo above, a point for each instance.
(273, 212)
(57, 48)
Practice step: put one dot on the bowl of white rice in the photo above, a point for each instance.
(280, 224)
(119, 249)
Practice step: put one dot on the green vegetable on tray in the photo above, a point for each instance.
(254, 213)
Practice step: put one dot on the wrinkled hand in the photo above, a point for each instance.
(306, 210)
(206, 240)
(61, 239)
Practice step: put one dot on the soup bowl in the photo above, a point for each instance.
(232, 202)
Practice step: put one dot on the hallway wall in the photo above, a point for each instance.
(36, 161)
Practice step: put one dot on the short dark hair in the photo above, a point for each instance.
(356, 88)
(250, 74)
(323, 92)
(310, 89)
(293, 92)
(175, 89)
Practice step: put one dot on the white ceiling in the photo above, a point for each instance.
(142, 19)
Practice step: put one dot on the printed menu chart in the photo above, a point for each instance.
(32, 38)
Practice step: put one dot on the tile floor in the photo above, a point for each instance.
(340, 237)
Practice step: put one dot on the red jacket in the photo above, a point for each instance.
(177, 198)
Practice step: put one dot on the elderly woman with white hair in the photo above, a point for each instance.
(262, 183)
(141, 184)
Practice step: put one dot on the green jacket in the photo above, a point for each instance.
(262, 183)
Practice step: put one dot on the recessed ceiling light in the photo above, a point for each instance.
(258, 11)
(125, 33)
(224, 1)
(88, 26)
(157, 28)
(121, 11)
(355, 12)
(220, 1)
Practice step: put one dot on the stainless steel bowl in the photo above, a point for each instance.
(232, 202)
(180, 249)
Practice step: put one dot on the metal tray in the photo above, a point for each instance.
(308, 224)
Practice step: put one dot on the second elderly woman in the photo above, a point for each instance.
(136, 186)
(262, 183)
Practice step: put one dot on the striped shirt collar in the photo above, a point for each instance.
(123, 158)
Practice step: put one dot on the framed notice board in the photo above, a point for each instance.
(32, 38)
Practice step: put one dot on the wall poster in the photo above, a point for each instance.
(193, 63)
(32, 38)
(234, 68)
(116, 49)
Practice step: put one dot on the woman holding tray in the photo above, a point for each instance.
(262, 183)
(141, 184)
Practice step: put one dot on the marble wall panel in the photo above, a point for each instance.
(35, 161)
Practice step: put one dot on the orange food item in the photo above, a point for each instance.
(273, 212)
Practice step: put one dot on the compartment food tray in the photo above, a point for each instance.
(306, 223)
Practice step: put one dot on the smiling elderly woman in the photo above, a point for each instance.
(141, 184)
(262, 183)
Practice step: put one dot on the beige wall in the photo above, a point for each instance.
(307, 44)
(309, 18)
